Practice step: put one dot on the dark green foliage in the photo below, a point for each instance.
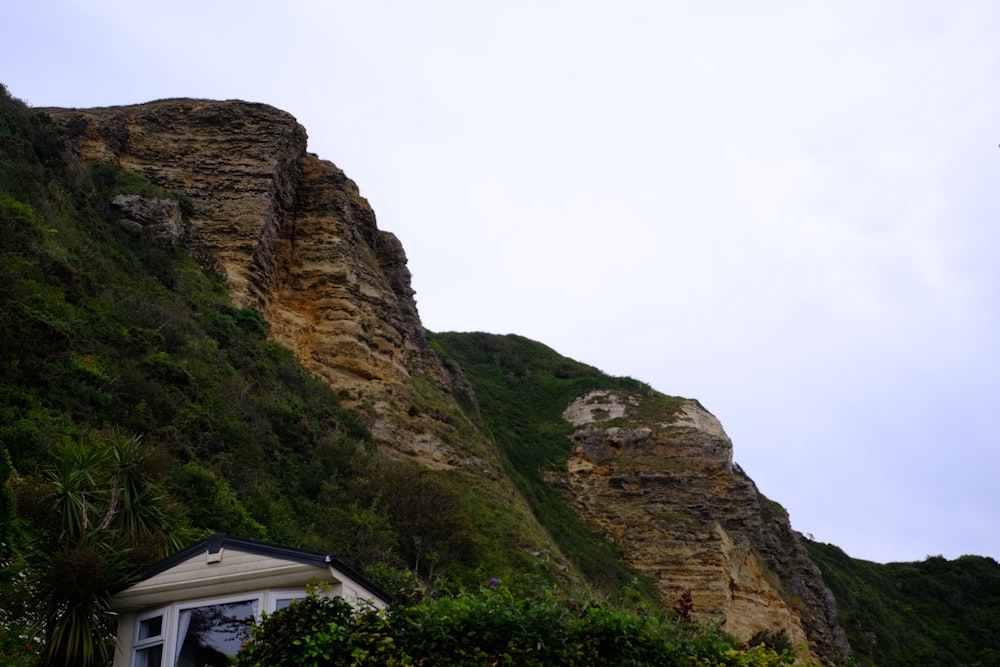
(95, 516)
(6, 507)
(489, 627)
(523, 387)
(400, 514)
(934, 612)
(210, 502)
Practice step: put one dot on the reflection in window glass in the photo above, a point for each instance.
(151, 656)
(209, 635)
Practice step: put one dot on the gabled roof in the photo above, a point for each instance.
(256, 564)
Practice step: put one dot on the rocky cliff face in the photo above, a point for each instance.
(662, 484)
(296, 240)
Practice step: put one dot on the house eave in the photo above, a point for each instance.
(152, 593)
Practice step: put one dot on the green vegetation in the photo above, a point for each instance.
(97, 515)
(491, 626)
(523, 388)
(935, 612)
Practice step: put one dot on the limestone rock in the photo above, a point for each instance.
(295, 239)
(160, 217)
(664, 489)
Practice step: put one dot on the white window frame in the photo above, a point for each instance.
(148, 642)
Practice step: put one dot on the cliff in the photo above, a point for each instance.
(652, 475)
(295, 239)
(662, 484)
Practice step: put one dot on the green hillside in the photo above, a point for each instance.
(140, 410)
(932, 613)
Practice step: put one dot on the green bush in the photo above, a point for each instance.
(491, 626)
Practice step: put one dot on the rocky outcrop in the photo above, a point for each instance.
(160, 217)
(658, 478)
(295, 239)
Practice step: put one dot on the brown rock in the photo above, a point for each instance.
(296, 240)
(664, 489)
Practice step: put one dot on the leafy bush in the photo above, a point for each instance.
(490, 626)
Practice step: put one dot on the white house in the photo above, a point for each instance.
(193, 608)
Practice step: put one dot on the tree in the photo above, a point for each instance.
(100, 515)
(431, 524)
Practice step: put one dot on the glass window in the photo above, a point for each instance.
(151, 656)
(211, 634)
(150, 627)
(149, 640)
(281, 603)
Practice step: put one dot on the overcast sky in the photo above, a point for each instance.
(785, 209)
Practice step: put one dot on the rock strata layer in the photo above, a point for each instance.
(660, 482)
(295, 239)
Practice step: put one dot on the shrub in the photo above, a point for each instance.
(491, 626)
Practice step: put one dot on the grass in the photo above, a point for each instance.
(523, 388)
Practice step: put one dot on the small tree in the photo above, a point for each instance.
(99, 514)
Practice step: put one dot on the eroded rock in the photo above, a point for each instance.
(664, 489)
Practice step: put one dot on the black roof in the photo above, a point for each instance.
(214, 543)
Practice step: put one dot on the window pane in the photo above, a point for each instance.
(150, 627)
(281, 603)
(209, 635)
(151, 656)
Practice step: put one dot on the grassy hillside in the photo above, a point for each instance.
(523, 387)
(932, 613)
(108, 333)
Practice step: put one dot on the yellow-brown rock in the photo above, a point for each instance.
(657, 477)
(295, 239)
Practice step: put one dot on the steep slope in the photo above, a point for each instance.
(653, 475)
(295, 240)
(663, 485)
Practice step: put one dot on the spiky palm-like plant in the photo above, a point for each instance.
(105, 506)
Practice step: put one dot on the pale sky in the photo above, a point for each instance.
(784, 209)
